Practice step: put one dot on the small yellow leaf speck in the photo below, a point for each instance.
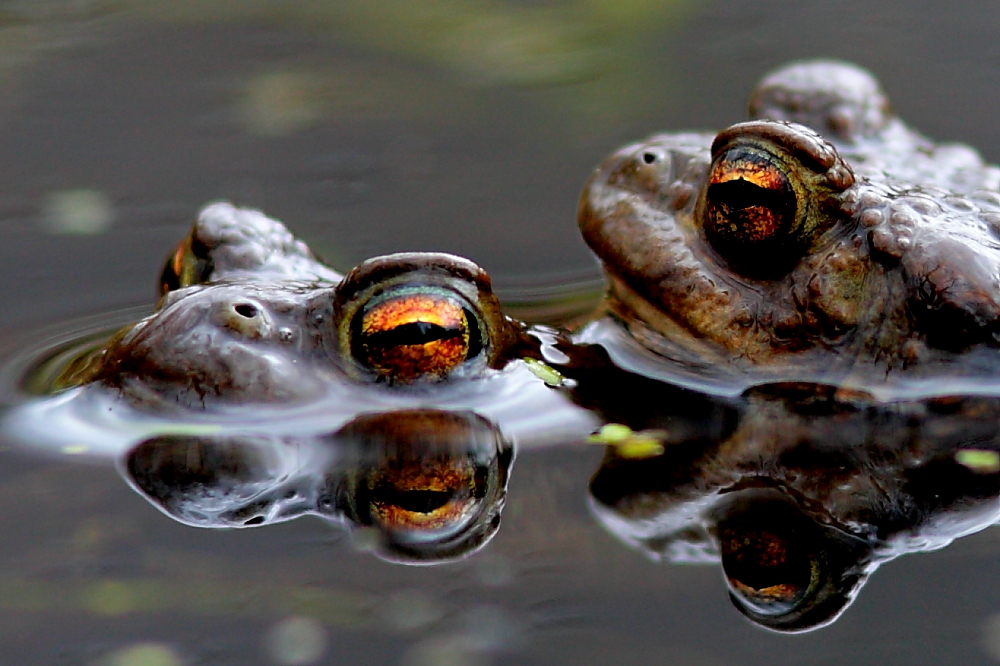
(639, 448)
(627, 443)
(545, 372)
(612, 433)
(979, 461)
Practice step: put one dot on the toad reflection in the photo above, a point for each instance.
(811, 491)
(429, 485)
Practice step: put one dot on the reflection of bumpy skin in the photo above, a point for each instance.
(807, 495)
(761, 249)
(238, 481)
(429, 484)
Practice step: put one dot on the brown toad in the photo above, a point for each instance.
(248, 315)
(821, 240)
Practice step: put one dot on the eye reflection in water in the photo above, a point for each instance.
(785, 569)
(809, 494)
(430, 483)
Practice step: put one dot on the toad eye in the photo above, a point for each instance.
(768, 572)
(409, 334)
(773, 191)
(750, 208)
(189, 264)
(429, 497)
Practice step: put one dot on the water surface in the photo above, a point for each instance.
(463, 127)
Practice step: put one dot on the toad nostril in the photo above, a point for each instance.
(246, 310)
(648, 158)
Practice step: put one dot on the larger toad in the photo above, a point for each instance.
(821, 240)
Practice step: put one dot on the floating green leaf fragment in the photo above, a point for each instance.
(639, 448)
(611, 434)
(980, 461)
(544, 371)
(627, 443)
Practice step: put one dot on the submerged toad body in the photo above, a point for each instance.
(823, 239)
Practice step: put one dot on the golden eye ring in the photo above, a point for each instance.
(768, 572)
(418, 317)
(772, 191)
(412, 333)
(188, 265)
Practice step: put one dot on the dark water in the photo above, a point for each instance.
(467, 128)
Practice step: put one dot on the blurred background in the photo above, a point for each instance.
(372, 126)
(465, 126)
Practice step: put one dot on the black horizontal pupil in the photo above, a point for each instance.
(742, 194)
(413, 333)
(416, 501)
(648, 158)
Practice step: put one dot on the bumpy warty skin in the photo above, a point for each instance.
(234, 342)
(902, 275)
(248, 315)
(246, 243)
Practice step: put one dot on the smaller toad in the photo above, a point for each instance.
(247, 314)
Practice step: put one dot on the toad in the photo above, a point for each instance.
(822, 240)
(253, 334)
(247, 314)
